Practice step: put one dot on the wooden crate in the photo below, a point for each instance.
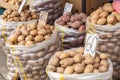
(8, 5)
(86, 6)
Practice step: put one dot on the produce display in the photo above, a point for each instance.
(34, 44)
(53, 7)
(105, 15)
(76, 21)
(13, 15)
(74, 62)
(108, 31)
(12, 1)
(71, 28)
(30, 34)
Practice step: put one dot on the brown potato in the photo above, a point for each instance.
(21, 43)
(77, 58)
(29, 38)
(103, 14)
(47, 36)
(99, 10)
(96, 71)
(104, 63)
(101, 21)
(64, 55)
(33, 32)
(50, 68)
(97, 59)
(60, 70)
(89, 60)
(39, 38)
(95, 16)
(25, 32)
(29, 43)
(57, 54)
(111, 19)
(103, 68)
(21, 38)
(69, 70)
(71, 53)
(88, 69)
(54, 61)
(96, 65)
(66, 62)
(42, 32)
(108, 7)
(104, 56)
(79, 68)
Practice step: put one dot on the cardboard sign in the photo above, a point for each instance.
(68, 7)
(21, 6)
(91, 44)
(116, 5)
(43, 17)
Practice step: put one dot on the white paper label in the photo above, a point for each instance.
(91, 44)
(21, 6)
(68, 7)
(43, 17)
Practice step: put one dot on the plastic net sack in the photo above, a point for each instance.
(32, 60)
(53, 7)
(70, 38)
(109, 42)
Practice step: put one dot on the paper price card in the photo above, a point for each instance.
(91, 44)
(68, 7)
(116, 5)
(43, 17)
(21, 6)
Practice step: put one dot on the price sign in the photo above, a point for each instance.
(116, 5)
(68, 7)
(21, 6)
(43, 17)
(91, 44)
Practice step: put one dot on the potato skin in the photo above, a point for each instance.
(79, 68)
(69, 70)
(66, 62)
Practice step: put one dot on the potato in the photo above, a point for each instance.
(104, 56)
(99, 10)
(29, 38)
(89, 60)
(80, 50)
(21, 43)
(29, 43)
(76, 24)
(111, 19)
(72, 19)
(33, 32)
(47, 36)
(79, 68)
(96, 65)
(97, 59)
(88, 69)
(66, 62)
(118, 17)
(60, 70)
(42, 32)
(50, 68)
(54, 61)
(95, 16)
(69, 70)
(21, 38)
(71, 53)
(104, 63)
(93, 21)
(83, 15)
(108, 7)
(101, 21)
(96, 71)
(39, 38)
(82, 28)
(64, 55)
(103, 14)
(103, 69)
(77, 58)
(57, 54)
(66, 19)
(25, 32)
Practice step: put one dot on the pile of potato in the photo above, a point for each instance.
(13, 15)
(28, 34)
(76, 21)
(105, 15)
(74, 62)
(14, 2)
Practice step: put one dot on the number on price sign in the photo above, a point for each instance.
(91, 44)
(68, 7)
(43, 17)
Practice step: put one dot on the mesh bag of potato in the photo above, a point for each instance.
(53, 7)
(31, 46)
(106, 23)
(73, 65)
(71, 29)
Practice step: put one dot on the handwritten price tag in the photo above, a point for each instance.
(43, 17)
(91, 44)
(116, 5)
(68, 7)
(21, 6)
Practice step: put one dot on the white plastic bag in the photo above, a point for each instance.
(33, 60)
(89, 76)
(70, 38)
